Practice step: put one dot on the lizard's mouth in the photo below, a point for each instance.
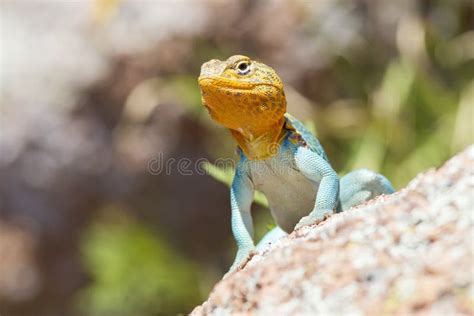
(213, 82)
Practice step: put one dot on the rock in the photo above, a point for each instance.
(410, 252)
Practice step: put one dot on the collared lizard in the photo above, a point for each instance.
(278, 155)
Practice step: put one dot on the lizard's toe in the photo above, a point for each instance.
(240, 261)
(311, 219)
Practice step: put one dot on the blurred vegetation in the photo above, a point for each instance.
(135, 272)
(386, 85)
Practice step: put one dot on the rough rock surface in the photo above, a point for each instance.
(411, 252)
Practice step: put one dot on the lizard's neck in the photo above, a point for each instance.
(260, 143)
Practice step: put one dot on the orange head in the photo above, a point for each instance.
(246, 97)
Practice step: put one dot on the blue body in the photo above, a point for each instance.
(300, 185)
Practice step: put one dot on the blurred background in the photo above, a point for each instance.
(92, 91)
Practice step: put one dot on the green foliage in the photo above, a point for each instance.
(412, 124)
(134, 271)
(183, 89)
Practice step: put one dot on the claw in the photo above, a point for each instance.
(313, 218)
(239, 264)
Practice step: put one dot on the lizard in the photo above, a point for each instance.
(277, 155)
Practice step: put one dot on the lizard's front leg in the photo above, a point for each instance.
(241, 196)
(317, 169)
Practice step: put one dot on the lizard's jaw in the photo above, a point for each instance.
(254, 112)
(248, 107)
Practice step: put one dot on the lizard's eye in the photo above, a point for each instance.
(243, 68)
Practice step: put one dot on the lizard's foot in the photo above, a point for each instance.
(243, 256)
(362, 185)
(313, 218)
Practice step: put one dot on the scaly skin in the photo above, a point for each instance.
(278, 156)
(251, 106)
